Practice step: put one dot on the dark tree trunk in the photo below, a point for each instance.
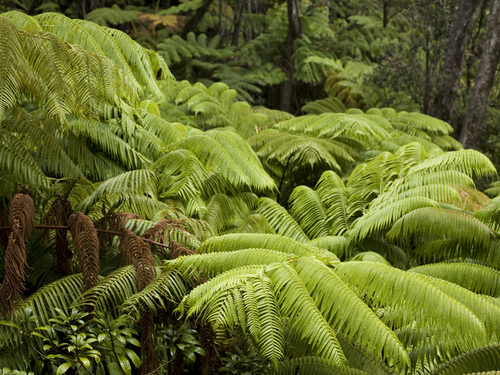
(294, 25)
(427, 74)
(449, 79)
(386, 13)
(470, 135)
(294, 32)
(193, 22)
(237, 23)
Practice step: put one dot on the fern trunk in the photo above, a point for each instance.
(451, 72)
(470, 135)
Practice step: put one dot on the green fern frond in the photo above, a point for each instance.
(359, 127)
(380, 219)
(494, 189)
(216, 158)
(180, 173)
(314, 366)
(60, 294)
(241, 297)
(22, 21)
(362, 359)
(111, 291)
(490, 214)
(108, 141)
(338, 245)
(141, 182)
(167, 286)
(378, 244)
(347, 313)
(18, 164)
(255, 223)
(470, 162)
(306, 206)
(484, 359)
(282, 222)
(370, 256)
(213, 264)
(305, 317)
(218, 209)
(114, 15)
(244, 156)
(275, 242)
(341, 203)
(422, 122)
(486, 311)
(382, 285)
(474, 277)
(441, 223)
(50, 156)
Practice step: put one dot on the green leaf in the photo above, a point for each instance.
(124, 364)
(133, 357)
(64, 367)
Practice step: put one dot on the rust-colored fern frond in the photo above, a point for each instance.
(157, 231)
(15, 264)
(21, 219)
(87, 244)
(113, 222)
(138, 253)
(22, 209)
(59, 214)
(176, 250)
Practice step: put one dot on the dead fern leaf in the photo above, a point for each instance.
(87, 244)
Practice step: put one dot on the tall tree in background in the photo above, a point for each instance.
(476, 113)
(294, 32)
(455, 56)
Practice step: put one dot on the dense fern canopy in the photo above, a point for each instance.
(346, 240)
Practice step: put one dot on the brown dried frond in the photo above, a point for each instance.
(22, 209)
(157, 231)
(148, 353)
(59, 214)
(138, 253)
(177, 250)
(15, 263)
(113, 222)
(87, 244)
